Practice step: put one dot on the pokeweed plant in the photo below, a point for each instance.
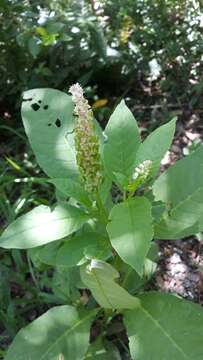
(104, 242)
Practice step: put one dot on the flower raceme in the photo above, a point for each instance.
(140, 175)
(86, 142)
(142, 170)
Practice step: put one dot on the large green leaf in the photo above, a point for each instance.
(181, 188)
(72, 188)
(130, 230)
(156, 145)
(180, 180)
(100, 278)
(184, 219)
(42, 225)
(48, 120)
(61, 333)
(122, 141)
(165, 327)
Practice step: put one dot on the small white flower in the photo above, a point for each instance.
(142, 170)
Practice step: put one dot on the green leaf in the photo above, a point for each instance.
(130, 230)
(45, 254)
(42, 225)
(131, 281)
(34, 47)
(74, 250)
(165, 327)
(60, 333)
(181, 188)
(72, 189)
(98, 39)
(99, 351)
(183, 220)
(48, 120)
(122, 141)
(121, 180)
(100, 278)
(65, 284)
(180, 180)
(156, 145)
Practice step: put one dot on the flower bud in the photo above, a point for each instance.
(143, 170)
(140, 175)
(86, 142)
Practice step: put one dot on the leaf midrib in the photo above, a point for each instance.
(78, 323)
(101, 288)
(38, 226)
(175, 208)
(166, 334)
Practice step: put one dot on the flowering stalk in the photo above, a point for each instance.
(86, 142)
(140, 175)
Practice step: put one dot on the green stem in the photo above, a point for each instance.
(32, 272)
(101, 208)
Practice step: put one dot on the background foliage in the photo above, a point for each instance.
(148, 50)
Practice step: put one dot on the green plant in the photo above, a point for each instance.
(102, 246)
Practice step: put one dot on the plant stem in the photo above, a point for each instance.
(101, 208)
(32, 272)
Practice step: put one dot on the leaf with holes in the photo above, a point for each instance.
(100, 277)
(48, 120)
(41, 226)
(61, 333)
(165, 327)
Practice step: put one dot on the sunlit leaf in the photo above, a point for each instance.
(156, 145)
(130, 230)
(42, 225)
(122, 141)
(48, 120)
(100, 277)
(61, 333)
(165, 327)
